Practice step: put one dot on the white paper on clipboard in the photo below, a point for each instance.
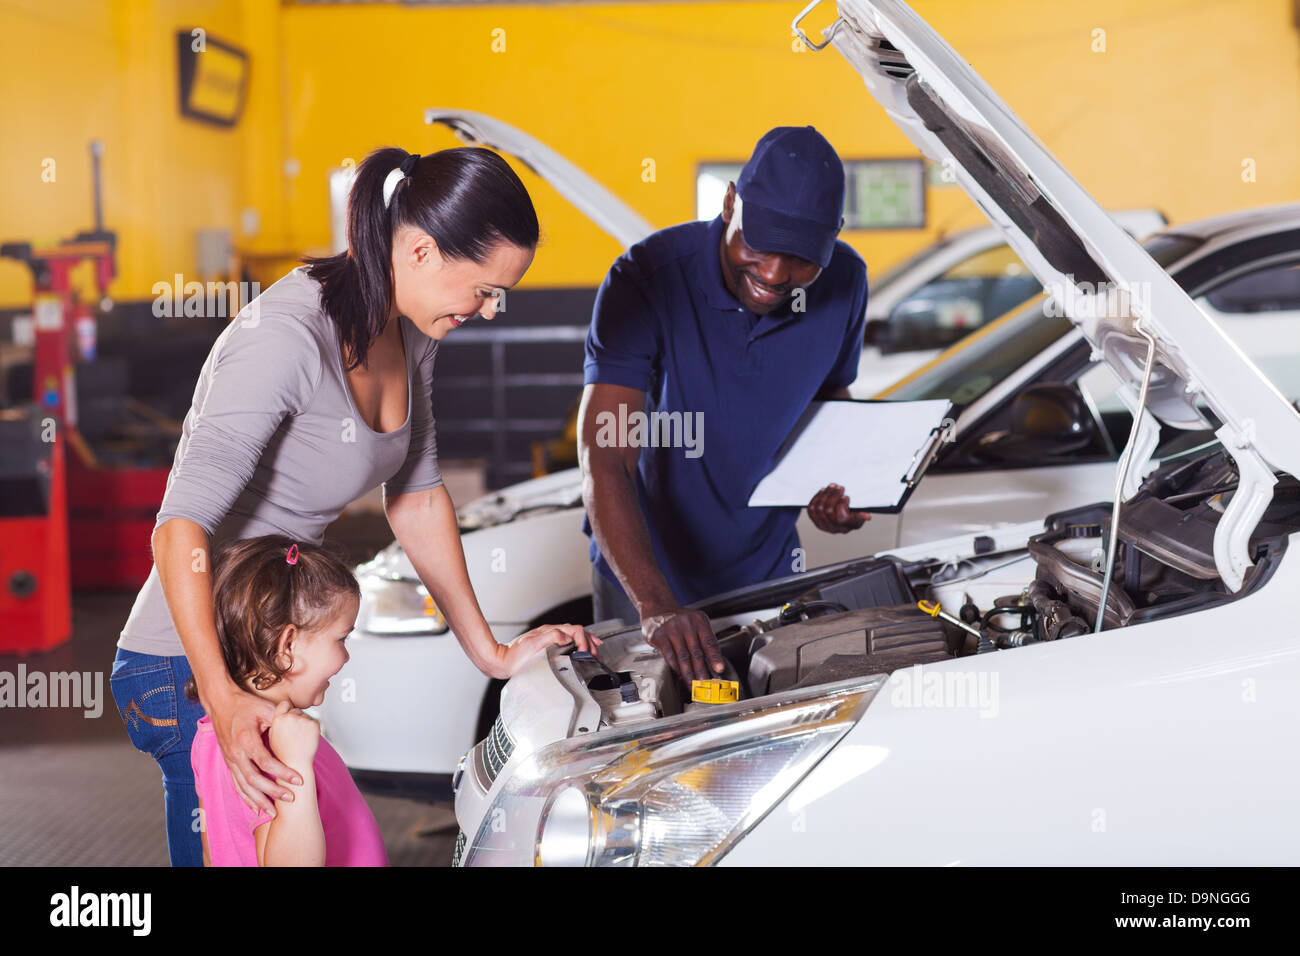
(867, 447)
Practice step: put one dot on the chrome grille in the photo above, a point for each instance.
(497, 749)
(458, 854)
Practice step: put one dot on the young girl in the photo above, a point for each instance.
(283, 611)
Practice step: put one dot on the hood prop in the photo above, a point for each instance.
(1135, 436)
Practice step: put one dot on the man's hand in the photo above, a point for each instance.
(239, 720)
(685, 638)
(829, 511)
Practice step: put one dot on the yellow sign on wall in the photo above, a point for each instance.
(213, 78)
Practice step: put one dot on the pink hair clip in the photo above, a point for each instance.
(292, 556)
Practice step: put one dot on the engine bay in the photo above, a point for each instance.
(876, 615)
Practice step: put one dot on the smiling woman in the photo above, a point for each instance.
(432, 237)
(316, 393)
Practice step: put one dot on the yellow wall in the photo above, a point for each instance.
(74, 70)
(1183, 93)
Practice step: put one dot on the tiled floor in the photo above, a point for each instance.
(73, 791)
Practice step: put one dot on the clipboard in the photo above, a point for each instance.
(877, 450)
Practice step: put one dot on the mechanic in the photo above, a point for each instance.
(737, 325)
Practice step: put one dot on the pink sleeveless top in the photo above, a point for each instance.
(352, 836)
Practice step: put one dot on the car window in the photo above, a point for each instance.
(1100, 387)
(879, 282)
(1260, 312)
(948, 308)
(989, 264)
(972, 367)
(1002, 348)
(1275, 289)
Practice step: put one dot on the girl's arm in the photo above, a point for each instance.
(424, 523)
(296, 837)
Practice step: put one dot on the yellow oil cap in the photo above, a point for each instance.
(714, 691)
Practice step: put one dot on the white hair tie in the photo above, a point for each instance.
(390, 184)
(400, 172)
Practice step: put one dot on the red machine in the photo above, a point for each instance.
(36, 604)
(111, 511)
(35, 598)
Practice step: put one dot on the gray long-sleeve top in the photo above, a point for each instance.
(273, 442)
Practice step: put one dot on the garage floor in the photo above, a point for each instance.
(74, 792)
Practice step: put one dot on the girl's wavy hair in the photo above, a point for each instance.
(468, 199)
(257, 593)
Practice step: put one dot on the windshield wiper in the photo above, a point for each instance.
(1191, 451)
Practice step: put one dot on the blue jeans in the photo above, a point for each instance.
(608, 601)
(160, 720)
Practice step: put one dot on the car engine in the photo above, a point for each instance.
(865, 617)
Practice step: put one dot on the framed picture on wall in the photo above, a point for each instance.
(878, 193)
(213, 78)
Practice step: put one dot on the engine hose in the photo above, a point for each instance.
(994, 636)
(1026, 612)
(1055, 619)
(794, 612)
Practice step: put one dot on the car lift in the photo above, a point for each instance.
(39, 560)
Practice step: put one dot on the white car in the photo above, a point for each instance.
(1111, 698)
(527, 555)
(947, 290)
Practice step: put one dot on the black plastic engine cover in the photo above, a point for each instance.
(882, 584)
(882, 639)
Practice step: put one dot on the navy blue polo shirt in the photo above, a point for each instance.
(665, 323)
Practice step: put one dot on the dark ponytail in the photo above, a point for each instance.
(257, 592)
(468, 199)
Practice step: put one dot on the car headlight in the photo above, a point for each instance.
(471, 520)
(398, 608)
(679, 792)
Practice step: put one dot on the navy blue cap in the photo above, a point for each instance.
(792, 193)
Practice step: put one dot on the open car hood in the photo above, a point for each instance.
(1076, 250)
(591, 198)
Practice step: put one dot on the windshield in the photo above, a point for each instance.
(971, 367)
(879, 282)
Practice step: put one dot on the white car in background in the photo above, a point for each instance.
(936, 297)
(1130, 680)
(924, 303)
(1027, 375)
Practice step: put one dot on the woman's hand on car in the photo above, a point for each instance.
(511, 657)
